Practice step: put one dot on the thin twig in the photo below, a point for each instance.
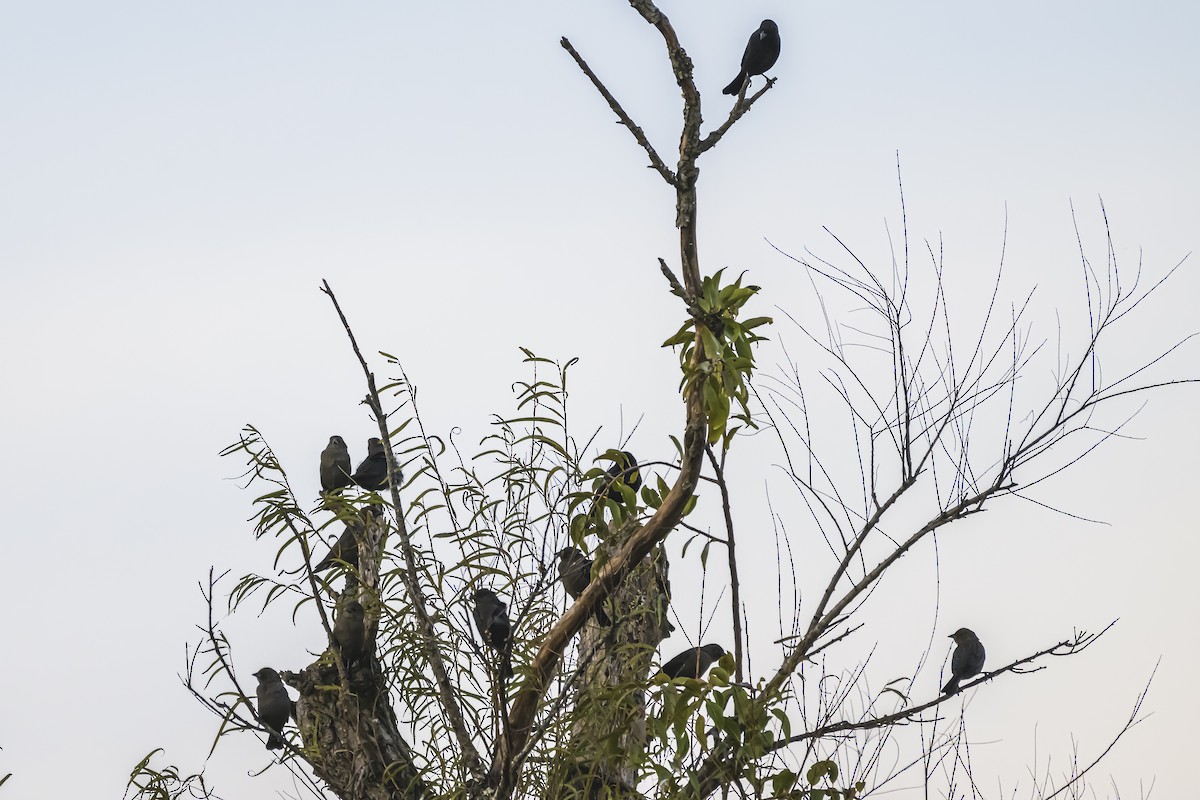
(735, 598)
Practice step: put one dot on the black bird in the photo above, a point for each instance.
(575, 572)
(349, 632)
(274, 705)
(624, 470)
(335, 465)
(491, 617)
(692, 663)
(761, 53)
(372, 472)
(967, 660)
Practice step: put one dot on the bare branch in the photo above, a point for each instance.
(740, 108)
(731, 549)
(626, 120)
(1077, 644)
(1132, 720)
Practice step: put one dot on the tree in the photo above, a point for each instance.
(427, 710)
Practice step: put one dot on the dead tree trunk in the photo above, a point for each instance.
(346, 722)
(609, 731)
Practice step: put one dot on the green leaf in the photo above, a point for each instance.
(755, 322)
(651, 498)
(783, 782)
(785, 724)
(819, 770)
(712, 347)
(682, 336)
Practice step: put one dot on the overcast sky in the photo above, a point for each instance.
(177, 178)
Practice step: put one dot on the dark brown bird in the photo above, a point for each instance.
(762, 51)
(692, 663)
(274, 705)
(345, 549)
(335, 465)
(349, 632)
(967, 661)
(575, 572)
(372, 473)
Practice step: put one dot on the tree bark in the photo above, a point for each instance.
(609, 730)
(346, 721)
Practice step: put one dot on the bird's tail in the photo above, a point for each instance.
(951, 686)
(273, 741)
(736, 86)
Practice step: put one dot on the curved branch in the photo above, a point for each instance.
(506, 763)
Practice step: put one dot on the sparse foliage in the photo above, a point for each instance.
(428, 710)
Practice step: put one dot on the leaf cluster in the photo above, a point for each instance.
(723, 374)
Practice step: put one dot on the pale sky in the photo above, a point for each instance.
(178, 178)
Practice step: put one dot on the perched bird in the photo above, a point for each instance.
(274, 705)
(491, 617)
(967, 660)
(335, 465)
(624, 470)
(692, 663)
(372, 472)
(575, 572)
(349, 631)
(761, 53)
(346, 548)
